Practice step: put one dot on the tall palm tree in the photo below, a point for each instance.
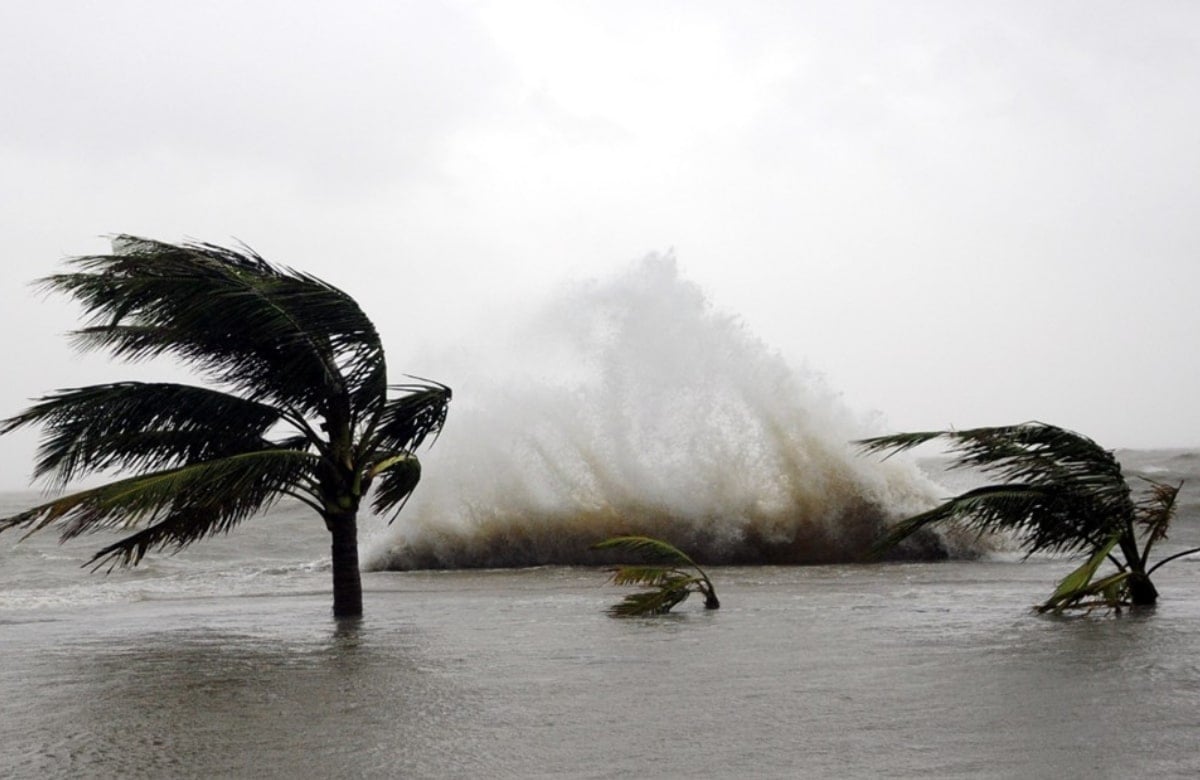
(1059, 492)
(299, 406)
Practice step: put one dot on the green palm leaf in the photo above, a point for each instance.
(137, 426)
(650, 576)
(1078, 585)
(650, 602)
(220, 492)
(646, 545)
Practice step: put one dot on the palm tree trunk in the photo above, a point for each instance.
(1142, 592)
(347, 581)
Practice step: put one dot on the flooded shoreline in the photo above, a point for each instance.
(937, 670)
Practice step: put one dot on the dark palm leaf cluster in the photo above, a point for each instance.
(265, 331)
(1057, 489)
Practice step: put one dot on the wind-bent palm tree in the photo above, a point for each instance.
(1061, 492)
(670, 582)
(301, 406)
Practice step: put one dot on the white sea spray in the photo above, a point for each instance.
(633, 406)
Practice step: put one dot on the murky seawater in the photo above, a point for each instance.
(905, 670)
(223, 662)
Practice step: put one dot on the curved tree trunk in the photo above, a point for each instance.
(347, 581)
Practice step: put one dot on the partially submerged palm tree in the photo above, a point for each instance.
(1059, 492)
(669, 583)
(302, 407)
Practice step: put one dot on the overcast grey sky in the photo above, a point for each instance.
(960, 213)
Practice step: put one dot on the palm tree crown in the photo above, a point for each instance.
(299, 406)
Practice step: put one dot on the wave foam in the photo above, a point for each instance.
(632, 406)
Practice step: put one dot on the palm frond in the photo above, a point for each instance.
(183, 504)
(267, 331)
(1078, 585)
(650, 602)
(1111, 592)
(140, 426)
(1156, 510)
(418, 412)
(646, 545)
(177, 529)
(1032, 451)
(1043, 517)
(649, 576)
(395, 478)
(1063, 492)
(898, 442)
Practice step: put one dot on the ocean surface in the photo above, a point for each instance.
(223, 661)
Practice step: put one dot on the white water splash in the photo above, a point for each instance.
(632, 406)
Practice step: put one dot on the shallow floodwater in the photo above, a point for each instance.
(223, 661)
(901, 670)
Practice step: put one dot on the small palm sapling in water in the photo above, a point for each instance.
(669, 582)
